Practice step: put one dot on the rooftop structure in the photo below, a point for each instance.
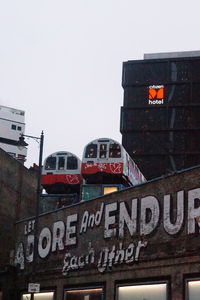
(12, 124)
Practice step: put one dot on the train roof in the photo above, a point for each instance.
(66, 153)
(105, 140)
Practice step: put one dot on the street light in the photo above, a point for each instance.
(21, 144)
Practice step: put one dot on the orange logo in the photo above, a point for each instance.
(156, 94)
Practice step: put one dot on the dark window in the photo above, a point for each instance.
(50, 163)
(72, 163)
(91, 151)
(114, 150)
(22, 157)
(19, 128)
(103, 151)
(12, 154)
(91, 191)
(61, 163)
(13, 127)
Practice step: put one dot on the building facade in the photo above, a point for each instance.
(139, 243)
(12, 123)
(160, 117)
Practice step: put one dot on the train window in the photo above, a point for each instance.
(103, 151)
(91, 151)
(61, 163)
(114, 150)
(72, 163)
(50, 163)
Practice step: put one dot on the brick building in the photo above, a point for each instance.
(17, 193)
(139, 243)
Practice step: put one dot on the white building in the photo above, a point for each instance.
(11, 127)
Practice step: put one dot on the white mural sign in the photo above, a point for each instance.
(136, 219)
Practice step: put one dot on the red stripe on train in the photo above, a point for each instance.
(110, 168)
(64, 178)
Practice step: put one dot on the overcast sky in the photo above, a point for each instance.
(61, 61)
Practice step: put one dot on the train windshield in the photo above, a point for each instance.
(50, 163)
(103, 151)
(72, 163)
(61, 163)
(114, 150)
(91, 151)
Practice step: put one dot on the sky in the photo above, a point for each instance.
(61, 61)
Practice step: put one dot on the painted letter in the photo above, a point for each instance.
(124, 217)
(149, 203)
(71, 230)
(58, 235)
(110, 220)
(84, 222)
(193, 212)
(44, 247)
(168, 226)
(19, 256)
(98, 215)
(30, 248)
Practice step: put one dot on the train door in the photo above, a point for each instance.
(103, 150)
(61, 163)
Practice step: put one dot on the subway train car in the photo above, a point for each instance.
(105, 161)
(61, 173)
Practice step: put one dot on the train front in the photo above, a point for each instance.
(61, 173)
(102, 162)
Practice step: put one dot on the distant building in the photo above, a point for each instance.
(12, 124)
(160, 117)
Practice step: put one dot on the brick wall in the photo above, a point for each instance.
(167, 253)
(17, 194)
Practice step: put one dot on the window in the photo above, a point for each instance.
(109, 189)
(91, 191)
(151, 291)
(103, 151)
(19, 128)
(114, 150)
(50, 163)
(21, 157)
(39, 296)
(13, 155)
(193, 289)
(61, 163)
(84, 294)
(72, 163)
(13, 127)
(91, 151)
